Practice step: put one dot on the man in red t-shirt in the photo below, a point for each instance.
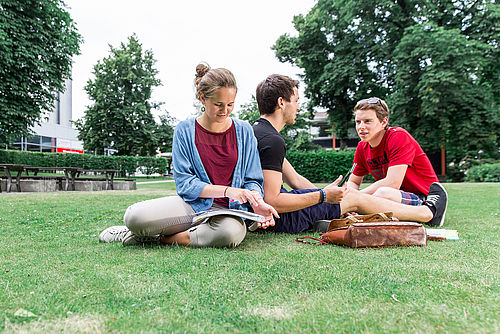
(402, 170)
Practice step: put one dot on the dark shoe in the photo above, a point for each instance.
(438, 199)
(130, 239)
(321, 226)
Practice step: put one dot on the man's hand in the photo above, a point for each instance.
(267, 211)
(334, 193)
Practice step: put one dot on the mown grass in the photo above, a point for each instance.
(53, 267)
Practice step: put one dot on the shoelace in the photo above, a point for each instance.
(118, 234)
(432, 199)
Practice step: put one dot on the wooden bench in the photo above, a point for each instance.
(109, 175)
(70, 174)
(8, 168)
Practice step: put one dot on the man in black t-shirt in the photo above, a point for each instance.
(277, 99)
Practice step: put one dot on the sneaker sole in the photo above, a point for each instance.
(441, 222)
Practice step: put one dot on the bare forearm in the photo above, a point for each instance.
(352, 185)
(300, 182)
(213, 191)
(378, 184)
(284, 202)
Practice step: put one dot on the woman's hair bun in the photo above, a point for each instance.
(201, 70)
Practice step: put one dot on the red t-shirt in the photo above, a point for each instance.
(397, 147)
(219, 153)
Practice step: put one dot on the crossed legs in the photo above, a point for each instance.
(171, 218)
(366, 204)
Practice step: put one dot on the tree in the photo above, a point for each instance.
(439, 96)
(436, 62)
(121, 114)
(37, 41)
(296, 136)
(165, 133)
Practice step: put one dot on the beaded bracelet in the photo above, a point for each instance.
(323, 195)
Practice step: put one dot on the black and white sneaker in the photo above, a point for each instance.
(113, 233)
(438, 199)
(130, 239)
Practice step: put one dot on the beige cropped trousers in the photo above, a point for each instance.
(171, 215)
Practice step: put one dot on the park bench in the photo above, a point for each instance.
(69, 177)
(109, 175)
(13, 175)
(8, 168)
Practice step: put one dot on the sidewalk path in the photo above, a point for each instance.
(147, 182)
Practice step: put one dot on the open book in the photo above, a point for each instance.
(203, 215)
(441, 234)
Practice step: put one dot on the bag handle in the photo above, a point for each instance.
(316, 241)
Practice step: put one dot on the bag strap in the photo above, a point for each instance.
(316, 241)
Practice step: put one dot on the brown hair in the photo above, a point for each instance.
(208, 80)
(374, 103)
(270, 90)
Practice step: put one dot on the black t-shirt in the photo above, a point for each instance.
(271, 145)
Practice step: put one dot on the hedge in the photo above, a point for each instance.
(124, 164)
(321, 166)
(484, 173)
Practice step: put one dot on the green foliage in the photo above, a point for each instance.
(249, 111)
(121, 116)
(437, 64)
(439, 96)
(456, 171)
(37, 40)
(321, 166)
(484, 173)
(126, 165)
(296, 136)
(164, 133)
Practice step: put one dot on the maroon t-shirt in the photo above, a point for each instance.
(219, 153)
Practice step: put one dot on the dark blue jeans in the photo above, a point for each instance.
(303, 220)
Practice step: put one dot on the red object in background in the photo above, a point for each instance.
(68, 150)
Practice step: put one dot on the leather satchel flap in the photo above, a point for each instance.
(349, 220)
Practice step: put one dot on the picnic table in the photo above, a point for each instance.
(70, 174)
(8, 168)
(109, 175)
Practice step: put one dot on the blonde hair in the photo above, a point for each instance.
(208, 80)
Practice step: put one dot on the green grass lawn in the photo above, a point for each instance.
(56, 277)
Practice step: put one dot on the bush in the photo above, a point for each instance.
(484, 173)
(124, 164)
(321, 166)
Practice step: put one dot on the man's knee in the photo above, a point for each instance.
(388, 193)
(221, 231)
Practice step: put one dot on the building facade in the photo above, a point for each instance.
(56, 133)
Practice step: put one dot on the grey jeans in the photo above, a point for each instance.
(171, 215)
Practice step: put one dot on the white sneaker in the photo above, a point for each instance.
(130, 239)
(113, 233)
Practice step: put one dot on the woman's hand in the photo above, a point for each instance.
(267, 211)
(243, 195)
(258, 205)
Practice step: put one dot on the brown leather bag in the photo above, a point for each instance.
(379, 234)
(349, 220)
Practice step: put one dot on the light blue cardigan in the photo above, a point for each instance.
(190, 175)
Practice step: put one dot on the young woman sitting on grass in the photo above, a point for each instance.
(216, 166)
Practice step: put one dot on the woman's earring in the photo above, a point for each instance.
(202, 108)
